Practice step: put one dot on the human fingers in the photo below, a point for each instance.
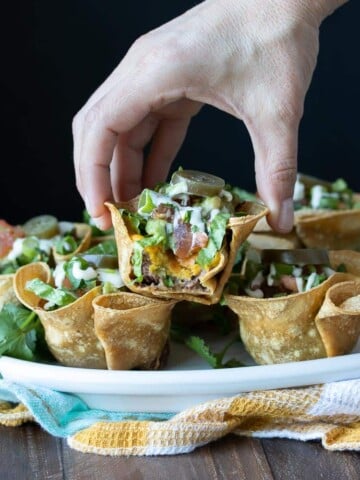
(93, 180)
(148, 87)
(275, 148)
(127, 163)
(165, 145)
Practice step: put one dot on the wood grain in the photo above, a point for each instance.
(28, 452)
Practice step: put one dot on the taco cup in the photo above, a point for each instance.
(85, 327)
(69, 330)
(331, 230)
(305, 325)
(176, 244)
(42, 239)
(133, 330)
(271, 239)
(327, 215)
(80, 241)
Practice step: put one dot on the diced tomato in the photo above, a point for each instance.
(183, 240)
(188, 243)
(289, 283)
(8, 234)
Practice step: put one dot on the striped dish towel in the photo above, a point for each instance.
(329, 413)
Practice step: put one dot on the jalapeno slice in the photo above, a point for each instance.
(101, 261)
(300, 256)
(199, 183)
(42, 226)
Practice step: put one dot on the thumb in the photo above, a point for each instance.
(275, 151)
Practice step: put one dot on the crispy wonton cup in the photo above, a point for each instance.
(273, 240)
(7, 293)
(338, 229)
(263, 237)
(306, 325)
(330, 229)
(69, 330)
(134, 330)
(116, 331)
(83, 232)
(211, 282)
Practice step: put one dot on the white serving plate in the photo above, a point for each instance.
(187, 380)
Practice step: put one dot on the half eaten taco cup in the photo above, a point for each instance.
(181, 249)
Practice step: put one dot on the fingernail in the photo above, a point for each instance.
(286, 215)
(100, 223)
(87, 204)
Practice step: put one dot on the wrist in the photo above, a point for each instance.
(317, 10)
(321, 8)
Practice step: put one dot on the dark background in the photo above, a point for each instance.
(55, 54)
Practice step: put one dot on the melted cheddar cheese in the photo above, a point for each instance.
(160, 259)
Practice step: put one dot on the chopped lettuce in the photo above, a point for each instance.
(108, 247)
(58, 297)
(66, 245)
(216, 236)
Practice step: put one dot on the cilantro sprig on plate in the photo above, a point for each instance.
(21, 334)
(197, 344)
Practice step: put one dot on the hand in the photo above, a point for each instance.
(252, 59)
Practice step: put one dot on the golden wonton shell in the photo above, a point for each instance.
(69, 330)
(116, 331)
(338, 320)
(7, 293)
(132, 329)
(333, 230)
(213, 281)
(305, 325)
(273, 240)
(330, 229)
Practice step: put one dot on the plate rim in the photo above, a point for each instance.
(183, 382)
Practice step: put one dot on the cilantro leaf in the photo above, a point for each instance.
(215, 360)
(201, 348)
(181, 334)
(20, 332)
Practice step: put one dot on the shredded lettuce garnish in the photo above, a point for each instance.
(216, 236)
(108, 247)
(57, 297)
(66, 245)
(251, 277)
(334, 196)
(25, 250)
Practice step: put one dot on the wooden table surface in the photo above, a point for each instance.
(27, 452)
